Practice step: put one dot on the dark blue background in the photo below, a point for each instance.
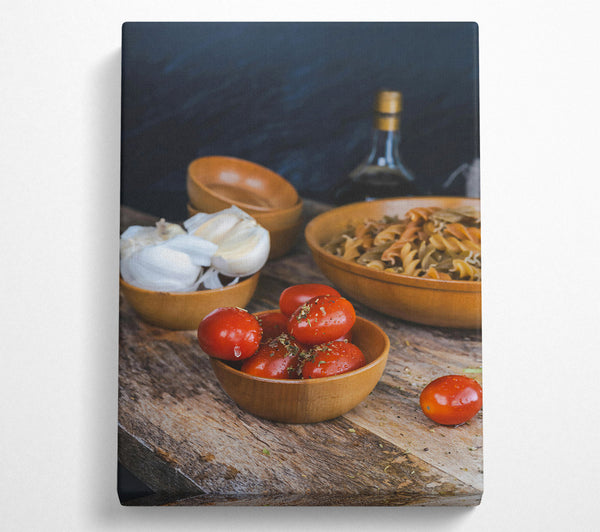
(295, 97)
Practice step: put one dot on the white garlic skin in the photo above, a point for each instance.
(137, 237)
(199, 250)
(161, 269)
(243, 252)
(244, 245)
(211, 281)
(215, 227)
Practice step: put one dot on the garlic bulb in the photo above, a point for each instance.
(167, 258)
(137, 237)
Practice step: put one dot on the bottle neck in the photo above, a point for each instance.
(385, 148)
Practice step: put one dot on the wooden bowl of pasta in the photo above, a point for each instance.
(418, 259)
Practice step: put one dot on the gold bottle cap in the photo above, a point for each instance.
(388, 102)
(388, 105)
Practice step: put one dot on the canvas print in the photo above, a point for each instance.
(300, 265)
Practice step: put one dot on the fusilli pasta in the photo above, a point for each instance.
(428, 242)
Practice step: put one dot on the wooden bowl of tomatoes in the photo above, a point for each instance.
(306, 366)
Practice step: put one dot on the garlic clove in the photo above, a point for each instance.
(161, 269)
(243, 252)
(215, 227)
(199, 250)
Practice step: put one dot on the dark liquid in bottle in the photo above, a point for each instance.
(374, 183)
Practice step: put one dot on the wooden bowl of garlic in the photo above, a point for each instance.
(185, 310)
(173, 276)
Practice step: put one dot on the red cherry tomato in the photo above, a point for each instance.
(273, 324)
(229, 333)
(276, 359)
(294, 296)
(451, 400)
(322, 319)
(333, 359)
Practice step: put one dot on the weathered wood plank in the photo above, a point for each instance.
(397, 498)
(418, 354)
(172, 402)
(168, 483)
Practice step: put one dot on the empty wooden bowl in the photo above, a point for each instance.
(283, 225)
(309, 400)
(215, 183)
(427, 301)
(184, 311)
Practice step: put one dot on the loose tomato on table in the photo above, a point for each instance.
(451, 400)
(322, 319)
(275, 359)
(273, 324)
(229, 333)
(294, 296)
(333, 358)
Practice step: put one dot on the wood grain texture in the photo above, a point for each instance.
(182, 435)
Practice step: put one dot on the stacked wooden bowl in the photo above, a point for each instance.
(215, 183)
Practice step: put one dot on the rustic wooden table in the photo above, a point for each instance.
(182, 435)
